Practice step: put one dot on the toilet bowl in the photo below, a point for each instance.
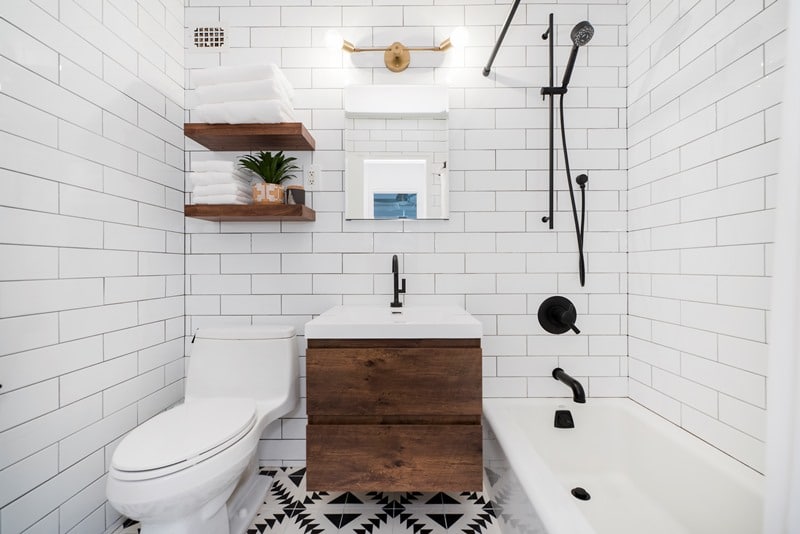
(193, 468)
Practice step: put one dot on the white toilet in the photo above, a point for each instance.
(193, 468)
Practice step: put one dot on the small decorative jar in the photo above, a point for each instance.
(296, 194)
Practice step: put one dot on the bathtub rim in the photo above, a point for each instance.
(558, 511)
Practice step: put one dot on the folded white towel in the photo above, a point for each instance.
(211, 178)
(236, 92)
(222, 189)
(245, 112)
(239, 73)
(223, 199)
(214, 165)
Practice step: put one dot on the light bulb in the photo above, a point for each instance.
(333, 40)
(459, 37)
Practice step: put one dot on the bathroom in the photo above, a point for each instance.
(673, 111)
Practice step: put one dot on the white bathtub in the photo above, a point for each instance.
(644, 474)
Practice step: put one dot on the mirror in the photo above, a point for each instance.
(395, 186)
(396, 158)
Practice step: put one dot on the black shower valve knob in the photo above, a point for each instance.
(557, 315)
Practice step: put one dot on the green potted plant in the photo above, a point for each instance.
(273, 169)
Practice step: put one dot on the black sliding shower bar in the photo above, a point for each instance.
(550, 90)
(580, 35)
(488, 68)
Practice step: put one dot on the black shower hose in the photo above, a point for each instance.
(578, 226)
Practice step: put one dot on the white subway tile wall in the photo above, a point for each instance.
(91, 247)
(493, 256)
(701, 161)
(673, 111)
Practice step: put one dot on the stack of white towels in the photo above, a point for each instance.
(219, 182)
(242, 94)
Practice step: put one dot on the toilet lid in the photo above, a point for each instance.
(183, 432)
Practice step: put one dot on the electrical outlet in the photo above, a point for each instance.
(313, 174)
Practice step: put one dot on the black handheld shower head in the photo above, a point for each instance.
(581, 34)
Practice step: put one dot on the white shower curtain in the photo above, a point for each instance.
(782, 505)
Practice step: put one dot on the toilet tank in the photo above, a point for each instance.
(258, 362)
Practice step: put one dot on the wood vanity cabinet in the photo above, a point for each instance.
(394, 415)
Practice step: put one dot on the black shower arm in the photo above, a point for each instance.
(488, 68)
(562, 89)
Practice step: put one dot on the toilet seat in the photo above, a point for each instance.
(182, 437)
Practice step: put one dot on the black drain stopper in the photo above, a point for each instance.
(581, 494)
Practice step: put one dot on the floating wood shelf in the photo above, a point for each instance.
(237, 137)
(250, 212)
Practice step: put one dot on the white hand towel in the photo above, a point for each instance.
(214, 165)
(222, 189)
(236, 92)
(245, 112)
(240, 73)
(210, 178)
(223, 199)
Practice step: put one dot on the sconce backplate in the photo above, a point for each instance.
(397, 57)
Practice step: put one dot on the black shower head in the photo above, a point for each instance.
(582, 33)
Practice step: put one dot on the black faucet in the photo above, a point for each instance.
(577, 390)
(397, 289)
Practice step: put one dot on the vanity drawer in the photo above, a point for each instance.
(394, 457)
(394, 381)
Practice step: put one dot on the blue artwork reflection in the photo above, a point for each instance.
(395, 205)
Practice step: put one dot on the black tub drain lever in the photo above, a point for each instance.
(563, 419)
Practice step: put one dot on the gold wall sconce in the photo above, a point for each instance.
(397, 56)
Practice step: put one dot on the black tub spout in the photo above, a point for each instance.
(577, 390)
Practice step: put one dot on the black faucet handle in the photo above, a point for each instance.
(402, 286)
(557, 315)
(567, 316)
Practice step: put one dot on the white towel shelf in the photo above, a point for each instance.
(247, 137)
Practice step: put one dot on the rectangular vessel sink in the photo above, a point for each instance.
(383, 322)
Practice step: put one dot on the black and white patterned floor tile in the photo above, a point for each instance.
(289, 509)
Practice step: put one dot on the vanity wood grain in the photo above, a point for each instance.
(394, 415)
(392, 381)
(394, 457)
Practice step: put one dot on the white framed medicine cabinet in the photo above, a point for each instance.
(396, 144)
